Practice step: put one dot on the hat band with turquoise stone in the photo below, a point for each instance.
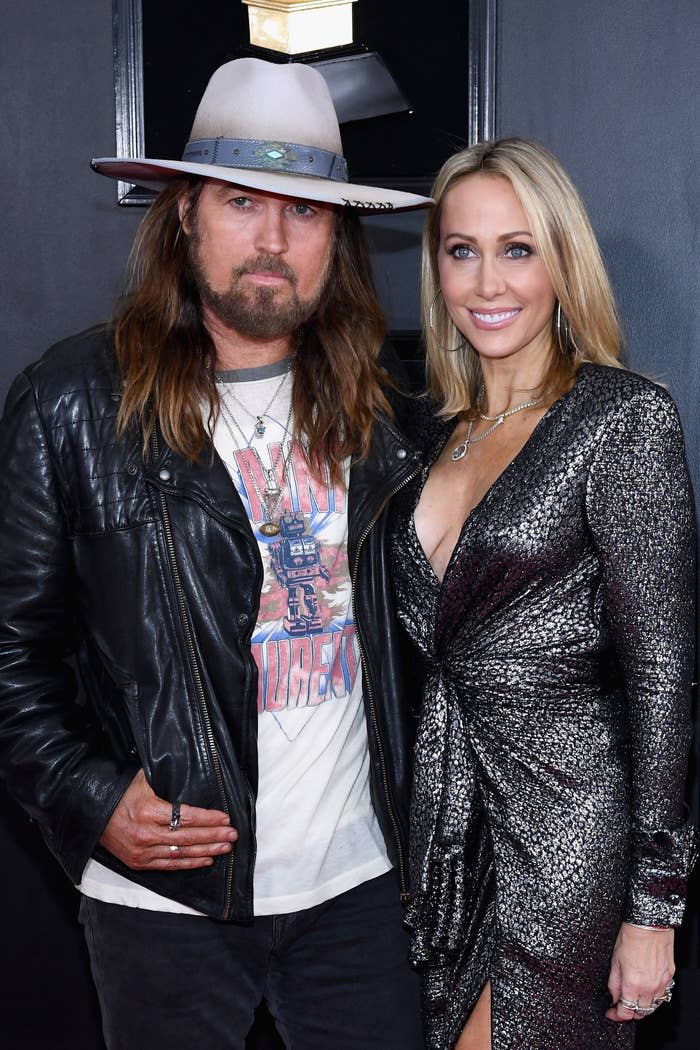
(268, 156)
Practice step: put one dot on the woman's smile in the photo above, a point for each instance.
(494, 318)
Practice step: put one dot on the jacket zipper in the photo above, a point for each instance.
(196, 674)
(370, 696)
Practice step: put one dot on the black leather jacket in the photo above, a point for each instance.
(146, 574)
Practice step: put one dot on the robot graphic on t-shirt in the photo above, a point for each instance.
(297, 564)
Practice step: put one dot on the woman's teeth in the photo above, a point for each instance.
(494, 318)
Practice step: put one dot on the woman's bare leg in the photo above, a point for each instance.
(476, 1034)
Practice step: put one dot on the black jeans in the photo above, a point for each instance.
(334, 976)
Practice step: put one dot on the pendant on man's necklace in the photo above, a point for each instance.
(259, 426)
(272, 489)
(270, 528)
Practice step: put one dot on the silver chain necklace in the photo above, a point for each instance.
(460, 450)
(259, 418)
(271, 496)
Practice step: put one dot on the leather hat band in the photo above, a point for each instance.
(268, 156)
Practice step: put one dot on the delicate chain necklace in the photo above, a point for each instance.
(259, 418)
(230, 421)
(460, 450)
(271, 496)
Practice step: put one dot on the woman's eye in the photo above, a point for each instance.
(460, 251)
(240, 202)
(518, 251)
(303, 209)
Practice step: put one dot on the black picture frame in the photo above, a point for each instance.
(140, 52)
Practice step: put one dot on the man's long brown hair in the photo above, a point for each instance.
(167, 358)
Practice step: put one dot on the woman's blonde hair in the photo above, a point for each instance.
(588, 328)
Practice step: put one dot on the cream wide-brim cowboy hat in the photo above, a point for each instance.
(267, 127)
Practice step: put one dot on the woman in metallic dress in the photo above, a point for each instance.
(543, 563)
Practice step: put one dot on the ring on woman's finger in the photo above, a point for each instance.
(628, 1004)
(658, 1000)
(644, 1011)
(175, 817)
(174, 849)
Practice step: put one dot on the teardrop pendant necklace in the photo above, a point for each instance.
(460, 450)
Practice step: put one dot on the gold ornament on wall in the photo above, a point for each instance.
(294, 27)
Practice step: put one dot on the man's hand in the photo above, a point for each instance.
(139, 833)
(641, 972)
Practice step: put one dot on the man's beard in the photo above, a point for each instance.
(256, 312)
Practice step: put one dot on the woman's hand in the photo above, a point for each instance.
(642, 970)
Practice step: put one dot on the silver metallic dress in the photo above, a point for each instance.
(553, 738)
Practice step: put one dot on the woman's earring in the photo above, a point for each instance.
(567, 344)
(562, 326)
(431, 326)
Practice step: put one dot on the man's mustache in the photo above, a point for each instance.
(266, 264)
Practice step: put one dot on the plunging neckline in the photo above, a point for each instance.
(487, 494)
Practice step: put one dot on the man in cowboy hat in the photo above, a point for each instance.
(194, 499)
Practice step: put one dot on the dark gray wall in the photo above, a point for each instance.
(64, 239)
(63, 246)
(611, 87)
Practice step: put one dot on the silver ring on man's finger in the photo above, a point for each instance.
(175, 817)
(174, 849)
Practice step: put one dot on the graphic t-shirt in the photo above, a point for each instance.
(317, 834)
